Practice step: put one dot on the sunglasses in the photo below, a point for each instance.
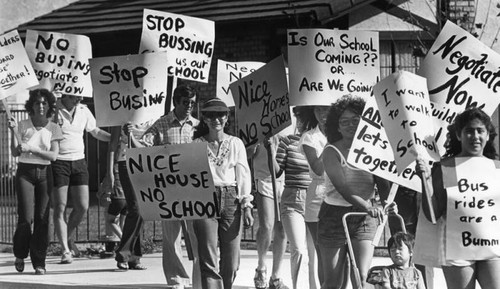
(188, 102)
(215, 115)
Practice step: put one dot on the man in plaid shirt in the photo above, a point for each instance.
(176, 127)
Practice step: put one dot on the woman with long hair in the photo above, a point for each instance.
(39, 145)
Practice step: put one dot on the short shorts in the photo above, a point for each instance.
(331, 232)
(265, 188)
(70, 173)
(117, 207)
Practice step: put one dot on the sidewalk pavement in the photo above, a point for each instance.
(103, 274)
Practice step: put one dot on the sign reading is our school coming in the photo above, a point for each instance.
(173, 182)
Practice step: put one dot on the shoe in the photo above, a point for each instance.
(277, 284)
(19, 264)
(136, 266)
(260, 279)
(74, 249)
(66, 258)
(40, 271)
(122, 265)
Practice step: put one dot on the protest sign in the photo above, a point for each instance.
(461, 72)
(188, 41)
(404, 107)
(61, 61)
(129, 88)
(427, 241)
(229, 72)
(473, 209)
(326, 64)
(16, 72)
(262, 103)
(371, 150)
(173, 182)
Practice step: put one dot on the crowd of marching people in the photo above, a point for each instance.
(305, 173)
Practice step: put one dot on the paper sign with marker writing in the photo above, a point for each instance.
(261, 102)
(61, 61)
(16, 72)
(129, 88)
(461, 71)
(404, 106)
(173, 182)
(327, 64)
(229, 72)
(188, 41)
(473, 209)
(371, 150)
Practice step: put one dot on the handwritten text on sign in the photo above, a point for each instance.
(261, 101)
(371, 151)
(173, 182)
(229, 72)
(326, 64)
(473, 209)
(16, 72)
(404, 106)
(188, 41)
(129, 88)
(61, 61)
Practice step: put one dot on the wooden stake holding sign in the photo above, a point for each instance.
(9, 117)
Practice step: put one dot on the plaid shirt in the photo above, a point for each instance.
(169, 130)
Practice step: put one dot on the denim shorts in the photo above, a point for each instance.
(331, 232)
(293, 199)
(72, 173)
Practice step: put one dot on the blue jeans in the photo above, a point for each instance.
(33, 185)
(226, 231)
(129, 249)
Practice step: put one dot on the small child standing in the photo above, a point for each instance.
(402, 274)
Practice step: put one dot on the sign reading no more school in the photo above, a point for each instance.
(262, 103)
(129, 88)
(173, 182)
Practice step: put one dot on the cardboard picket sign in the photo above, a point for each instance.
(261, 102)
(461, 71)
(473, 209)
(371, 150)
(327, 64)
(16, 72)
(173, 182)
(61, 61)
(188, 41)
(229, 72)
(129, 88)
(403, 103)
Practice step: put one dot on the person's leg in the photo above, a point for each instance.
(113, 223)
(265, 211)
(487, 273)
(196, 277)
(312, 227)
(460, 277)
(59, 202)
(80, 202)
(363, 252)
(313, 261)
(40, 238)
(295, 229)
(130, 244)
(229, 232)
(25, 198)
(206, 232)
(173, 268)
(334, 260)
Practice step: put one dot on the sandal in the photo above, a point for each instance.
(260, 279)
(136, 266)
(19, 264)
(122, 265)
(40, 271)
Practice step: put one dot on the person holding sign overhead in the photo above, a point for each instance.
(70, 169)
(176, 127)
(39, 146)
(227, 158)
(348, 189)
(470, 136)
